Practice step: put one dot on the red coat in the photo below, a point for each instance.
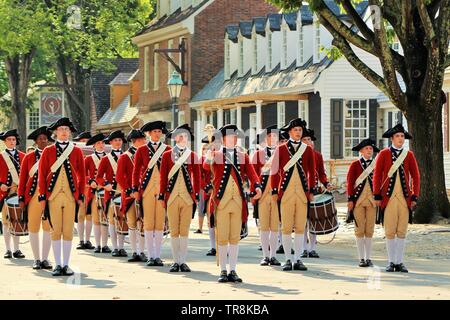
(27, 185)
(354, 171)
(141, 160)
(258, 161)
(193, 169)
(105, 176)
(411, 177)
(321, 175)
(281, 180)
(221, 173)
(205, 177)
(5, 177)
(125, 166)
(91, 173)
(76, 162)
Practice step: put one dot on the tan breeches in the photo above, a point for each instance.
(269, 219)
(179, 214)
(229, 223)
(154, 213)
(396, 216)
(293, 215)
(35, 216)
(82, 213)
(365, 216)
(62, 216)
(131, 217)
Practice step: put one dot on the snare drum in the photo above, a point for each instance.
(119, 219)
(103, 216)
(323, 215)
(18, 223)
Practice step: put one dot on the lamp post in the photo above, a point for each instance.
(175, 84)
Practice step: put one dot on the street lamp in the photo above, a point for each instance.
(175, 84)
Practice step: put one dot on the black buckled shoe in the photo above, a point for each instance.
(401, 268)
(46, 265)
(223, 276)
(88, 245)
(123, 253)
(115, 253)
(135, 258)
(362, 263)
(158, 262)
(274, 262)
(18, 254)
(280, 249)
(233, 277)
(174, 267)
(198, 231)
(150, 262)
(287, 266)
(211, 252)
(184, 268)
(66, 271)
(57, 272)
(37, 265)
(300, 266)
(304, 254)
(106, 249)
(8, 254)
(143, 257)
(98, 249)
(390, 267)
(81, 246)
(313, 254)
(264, 262)
(260, 248)
(369, 263)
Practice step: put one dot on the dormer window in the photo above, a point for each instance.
(317, 40)
(227, 59)
(255, 52)
(241, 55)
(284, 55)
(269, 50)
(300, 52)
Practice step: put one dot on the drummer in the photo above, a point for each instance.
(91, 164)
(320, 176)
(10, 162)
(293, 187)
(28, 198)
(106, 177)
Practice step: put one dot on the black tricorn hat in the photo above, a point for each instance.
(42, 130)
(114, 135)
(184, 128)
(96, 138)
(10, 133)
(206, 139)
(149, 126)
(309, 133)
(83, 135)
(135, 134)
(62, 122)
(365, 143)
(231, 129)
(396, 129)
(298, 122)
(263, 134)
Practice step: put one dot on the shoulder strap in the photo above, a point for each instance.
(365, 174)
(156, 156)
(34, 168)
(295, 157)
(59, 161)
(179, 163)
(11, 167)
(397, 163)
(112, 162)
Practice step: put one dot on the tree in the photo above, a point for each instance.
(23, 31)
(422, 27)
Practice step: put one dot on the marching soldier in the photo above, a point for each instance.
(10, 163)
(361, 204)
(28, 198)
(61, 179)
(267, 207)
(321, 176)
(146, 180)
(293, 187)
(106, 178)
(92, 163)
(396, 185)
(84, 219)
(125, 167)
(230, 167)
(179, 192)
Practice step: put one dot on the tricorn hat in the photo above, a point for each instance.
(396, 129)
(115, 134)
(96, 138)
(42, 130)
(309, 133)
(149, 126)
(10, 133)
(83, 135)
(62, 122)
(298, 122)
(184, 128)
(365, 143)
(135, 134)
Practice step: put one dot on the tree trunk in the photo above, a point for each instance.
(426, 129)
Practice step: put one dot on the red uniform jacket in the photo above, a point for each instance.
(105, 176)
(307, 170)
(409, 177)
(91, 173)
(258, 161)
(222, 171)
(5, 176)
(191, 174)
(74, 168)
(28, 185)
(354, 171)
(321, 175)
(141, 174)
(124, 178)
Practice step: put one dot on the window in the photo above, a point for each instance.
(255, 53)
(169, 65)
(146, 71)
(241, 56)
(300, 44)
(33, 119)
(156, 69)
(303, 110)
(233, 116)
(284, 59)
(181, 117)
(356, 124)
(227, 59)
(396, 46)
(269, 50)
(317, 37)
(252, 128)
(281, 114)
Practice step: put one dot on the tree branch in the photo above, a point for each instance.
(426, 22)
(357, 20)
(447, 62)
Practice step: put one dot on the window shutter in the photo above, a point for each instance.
(337, 131)
(314, 121)
(373, 107)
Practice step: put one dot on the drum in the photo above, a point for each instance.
(18, 223)
(103, 216)
(323, 215)
(119, 219)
